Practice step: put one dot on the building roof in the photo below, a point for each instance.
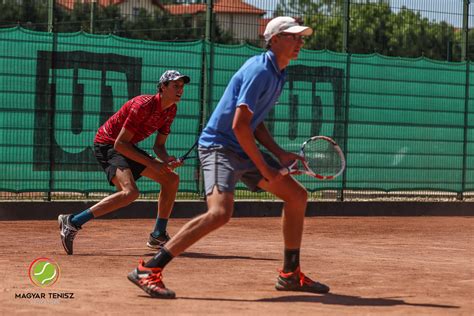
(236, 6)
(263, 25)
(68, 4)
(178, 9)
(221, 6)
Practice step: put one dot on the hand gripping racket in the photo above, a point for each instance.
(179, 161)
(323, 159)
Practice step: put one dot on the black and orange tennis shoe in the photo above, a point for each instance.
(150, 281)
(158, 242)
(297, 281)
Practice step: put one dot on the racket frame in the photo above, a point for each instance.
(307, 170)
(187, 154)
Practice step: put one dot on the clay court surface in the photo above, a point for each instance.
(374, 266)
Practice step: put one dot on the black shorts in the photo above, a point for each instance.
(110, 160)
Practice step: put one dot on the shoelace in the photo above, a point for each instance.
(70, 232)
(162, 238)
(153, 279)
(302, 278)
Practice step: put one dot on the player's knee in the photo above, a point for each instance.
(173, 180)
(299, 196)
(302, 197)
(219, 217)
(130, 195)
(303, 194)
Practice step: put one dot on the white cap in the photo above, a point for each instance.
(285, 24)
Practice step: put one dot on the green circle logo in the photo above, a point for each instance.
(43, 272)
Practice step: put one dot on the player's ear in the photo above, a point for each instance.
(274, 39)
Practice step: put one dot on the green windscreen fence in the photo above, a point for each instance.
(404, 124)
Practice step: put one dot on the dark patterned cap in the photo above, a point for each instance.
(172, 75)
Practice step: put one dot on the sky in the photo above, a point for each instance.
(435, 10)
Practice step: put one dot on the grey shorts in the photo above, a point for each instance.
(223, 168)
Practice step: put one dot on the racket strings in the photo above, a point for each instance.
(322, 157)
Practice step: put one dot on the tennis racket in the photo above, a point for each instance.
(323, 159)
(188, 155)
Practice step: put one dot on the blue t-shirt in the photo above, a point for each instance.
(258, 84)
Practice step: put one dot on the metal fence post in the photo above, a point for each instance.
(345, 49)
(345, 25)
(52, 96)
(50, 16)
(209, 19)
(207, 71)
(52, 116)
(465, 29)
(464, 57)
(92, 4)
(465, 139)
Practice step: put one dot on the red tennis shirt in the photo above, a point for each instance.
(141, 115)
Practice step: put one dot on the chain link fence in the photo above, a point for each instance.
(413, 29)
(404, 28)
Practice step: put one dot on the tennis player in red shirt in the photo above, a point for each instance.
(123, 162)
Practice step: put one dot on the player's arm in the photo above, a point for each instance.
(160, 149)
(262, 134)
(245, 136)
(124, 146)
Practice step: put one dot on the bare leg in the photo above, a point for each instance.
(169, 187)
(127, 192)
(295, 197)
(220, 209)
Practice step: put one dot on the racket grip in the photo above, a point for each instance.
(284, 171)
(177, 161)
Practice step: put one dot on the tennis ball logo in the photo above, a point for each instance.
(43, 272)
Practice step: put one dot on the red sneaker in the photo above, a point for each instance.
(297, 281)
(150, 281)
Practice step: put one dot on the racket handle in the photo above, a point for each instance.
(178, 160)
(287, 170)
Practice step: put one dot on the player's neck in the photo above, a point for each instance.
(165, 102)
(283, 63)
(281, 59)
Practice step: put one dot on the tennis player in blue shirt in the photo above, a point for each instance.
(228, 152)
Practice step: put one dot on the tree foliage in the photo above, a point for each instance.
(375, 27)
(157, 25)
